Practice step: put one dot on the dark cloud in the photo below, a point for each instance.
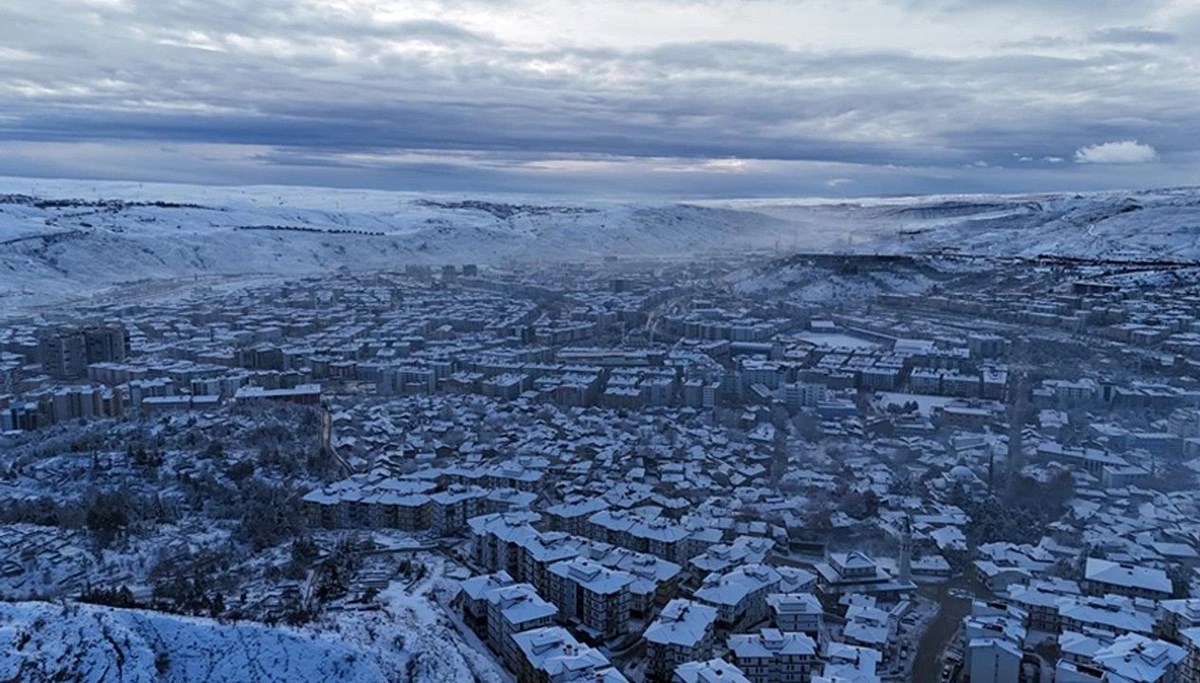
(314, 90)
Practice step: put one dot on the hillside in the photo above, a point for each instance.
(62, 240)
(1157, 224)
(407, 639)
(44, 642)
(61, 247)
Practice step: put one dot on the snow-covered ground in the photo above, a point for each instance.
(808, 284)
(1115, 225)
(407, 636)
(52, 251)
(45, 642)
(414, 630)
(177, 236)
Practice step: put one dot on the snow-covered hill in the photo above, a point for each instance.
(62, 240)
(55, 245)
(1157, 224)
(821, 285)
(407, 638)
(47, 642)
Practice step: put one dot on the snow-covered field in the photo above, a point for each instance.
(152, 237)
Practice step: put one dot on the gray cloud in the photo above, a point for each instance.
(309, 88)
(1132, 35)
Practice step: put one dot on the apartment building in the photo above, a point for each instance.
(596, 597)
(683, 632)
(772, 656)
(511, 610)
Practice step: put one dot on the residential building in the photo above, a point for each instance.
(711, 671)
(511, 610)
(596, 597)
(683, 632)
(1103, 577)
(740, 595)
(792, 612)
(552, 655)
(772, 656)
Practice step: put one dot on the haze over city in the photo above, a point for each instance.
(603, 341)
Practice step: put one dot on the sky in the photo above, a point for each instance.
(661, 98)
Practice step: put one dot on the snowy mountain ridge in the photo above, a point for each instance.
(65, 240)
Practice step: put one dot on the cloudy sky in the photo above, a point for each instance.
(680, 98)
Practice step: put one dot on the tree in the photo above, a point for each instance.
(215, 449)
(240, 470)
(217, 607)
(270, 515)
(107, 515)
(1181, 581)
(112, 597)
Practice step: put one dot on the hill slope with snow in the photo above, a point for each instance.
(63, 240)
(56, 247)
(407, 638)
(45, 642)
(1158, 224)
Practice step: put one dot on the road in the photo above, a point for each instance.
(927, 664)
(327, 442)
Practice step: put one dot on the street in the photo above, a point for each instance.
(927, 666)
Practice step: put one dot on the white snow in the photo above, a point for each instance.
(54, 253)
(407, 636)
(43, 642)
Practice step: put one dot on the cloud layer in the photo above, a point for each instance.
(725, 97)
